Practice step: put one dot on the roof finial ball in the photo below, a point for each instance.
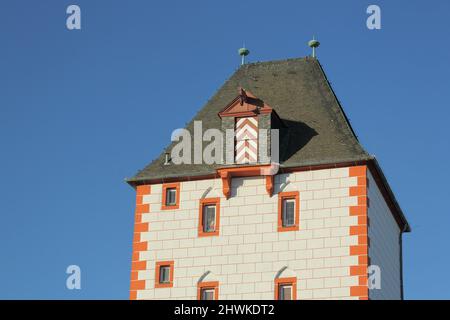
(243, 52)
(314, 44)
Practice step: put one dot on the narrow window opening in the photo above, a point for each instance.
(288, 212)
(208, 290)
(164, 274)
(209, 218)
(207, 294)
(285, 292)
(171, 196)
(286, 288)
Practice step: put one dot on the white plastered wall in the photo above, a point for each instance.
(384, 249)
(249, 252)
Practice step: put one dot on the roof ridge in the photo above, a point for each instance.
(276, 61)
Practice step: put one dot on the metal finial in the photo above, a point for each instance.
(314, 44)
(243, 52)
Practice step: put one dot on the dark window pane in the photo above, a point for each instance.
(207, 294)
(164, 274)
(171, 195)
(288, 212)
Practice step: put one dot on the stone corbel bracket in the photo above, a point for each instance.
(226, 174)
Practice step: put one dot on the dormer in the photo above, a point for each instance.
(251, 120)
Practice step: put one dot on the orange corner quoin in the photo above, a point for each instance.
(138, 245)
(361, 230)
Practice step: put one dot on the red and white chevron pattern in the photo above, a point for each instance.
(246, 140)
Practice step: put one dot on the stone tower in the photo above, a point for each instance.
(295, 209)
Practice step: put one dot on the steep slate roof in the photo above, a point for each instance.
(318, 132)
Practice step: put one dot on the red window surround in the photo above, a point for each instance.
(284, 196)
(292, 281)
(203, 203)
(166, 186)
(158, 265)
(208, 285)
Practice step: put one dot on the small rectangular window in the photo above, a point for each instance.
(288, 212)
(207, 294)
(209, 218)
(171, 196)
(164, 274)
(286, 288)
(208, 290)
(285, 292)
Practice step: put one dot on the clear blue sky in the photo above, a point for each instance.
(82, 110)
